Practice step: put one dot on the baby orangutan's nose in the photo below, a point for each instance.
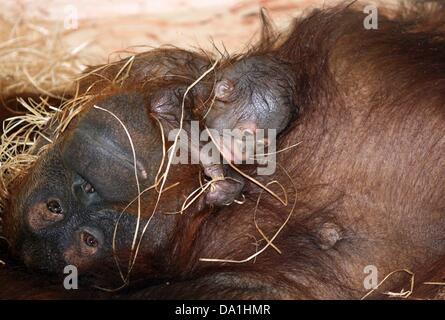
(43, 214)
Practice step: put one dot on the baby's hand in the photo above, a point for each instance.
(225, 189)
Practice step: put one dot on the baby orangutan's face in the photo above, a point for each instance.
(251, 95)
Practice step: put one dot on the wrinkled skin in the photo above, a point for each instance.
(255, 93)
(369, 177)
(164, 76)
(66, 209)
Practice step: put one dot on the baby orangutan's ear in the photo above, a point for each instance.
(223, 89)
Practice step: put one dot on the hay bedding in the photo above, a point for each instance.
(41, 59)
(34, 61)
(38, 62)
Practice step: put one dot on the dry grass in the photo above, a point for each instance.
(404, 294)
(33, 60)
(34, 57)
(159, 186)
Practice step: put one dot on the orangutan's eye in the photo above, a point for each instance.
(88, 188)
(54, 206)
(89, 240)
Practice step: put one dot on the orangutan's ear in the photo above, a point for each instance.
(223, 89)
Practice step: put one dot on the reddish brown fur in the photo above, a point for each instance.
(371, 161)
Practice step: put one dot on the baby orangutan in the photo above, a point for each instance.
(247, 94)
(252, 94)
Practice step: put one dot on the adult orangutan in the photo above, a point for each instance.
(366, 184)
